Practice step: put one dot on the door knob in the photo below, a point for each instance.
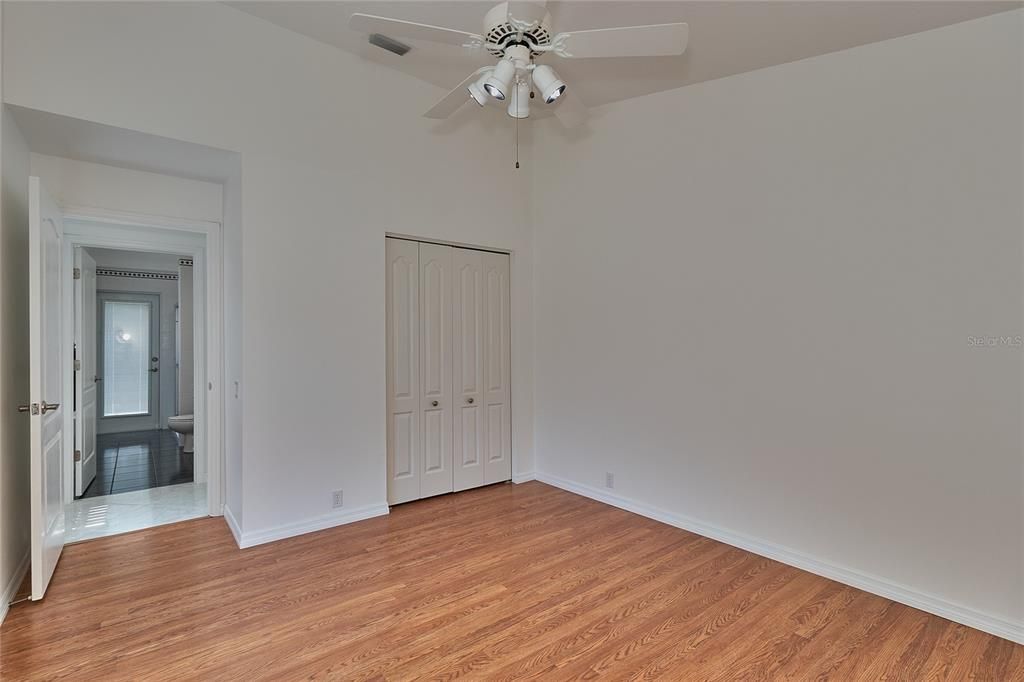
(154, 369)
(33, 408)
(469, 400)
(433, 403)
(45, 407)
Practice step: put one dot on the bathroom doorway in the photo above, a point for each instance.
(138, 455)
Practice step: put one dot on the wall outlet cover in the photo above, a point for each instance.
(338, 499)
(609, 480)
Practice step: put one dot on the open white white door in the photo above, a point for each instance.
(85, 370)
(46, 231)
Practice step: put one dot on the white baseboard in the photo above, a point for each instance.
(11, 589)
(233, 524)
(903, 594)
(523, 477)
(288, 530)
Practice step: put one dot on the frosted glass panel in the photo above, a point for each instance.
(125, 358)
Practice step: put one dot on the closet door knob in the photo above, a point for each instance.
(469, 400)
(433, 404)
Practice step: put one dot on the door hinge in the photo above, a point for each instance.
(78, 365)
(77, 273)
(78, 455)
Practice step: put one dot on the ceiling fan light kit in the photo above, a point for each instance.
(519, 107)
(516, 33)
(476, 88)
(497, 85)
(548, 83)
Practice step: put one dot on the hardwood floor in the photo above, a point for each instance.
(510, 581)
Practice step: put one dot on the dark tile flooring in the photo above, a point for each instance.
(137, 460)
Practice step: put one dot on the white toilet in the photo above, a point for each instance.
(183, 424)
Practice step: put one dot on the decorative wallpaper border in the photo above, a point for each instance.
(135, 274)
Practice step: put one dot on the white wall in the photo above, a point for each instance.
(77, 183)
(135, 260)
(333, 155)
(14, 431)
(755, 298)
(231, 328)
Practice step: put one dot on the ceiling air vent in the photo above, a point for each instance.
(388, 44)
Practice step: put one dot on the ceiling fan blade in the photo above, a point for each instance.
(397, 28)
(570, 110)
(450, 103)
(657, 40)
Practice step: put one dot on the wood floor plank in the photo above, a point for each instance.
(505, 582)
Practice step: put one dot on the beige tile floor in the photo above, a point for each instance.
(96, 517)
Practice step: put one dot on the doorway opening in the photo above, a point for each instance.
(135, 315)
(134, 457)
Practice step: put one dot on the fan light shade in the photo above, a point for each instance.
(519, 107)
(477, 91)
(548, 83)
(497, 83)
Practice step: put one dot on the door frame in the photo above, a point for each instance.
(511, 334)
(202, 241)
(155, 408)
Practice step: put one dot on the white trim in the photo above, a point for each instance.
(903, 594)
(11, 589)
(289, 530)
(233, 525)
(523, 477)
(202, 241)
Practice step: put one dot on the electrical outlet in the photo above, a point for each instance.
(338, 499)
(609, 480)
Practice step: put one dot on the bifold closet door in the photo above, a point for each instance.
(403, 371)
(468, 378)
(436, 368)
(497, 368)
(448, 366)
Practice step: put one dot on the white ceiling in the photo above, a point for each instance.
(726, 37)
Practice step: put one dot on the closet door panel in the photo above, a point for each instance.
(467, 365)
(403, 372)
(436, 368)
(497, 368)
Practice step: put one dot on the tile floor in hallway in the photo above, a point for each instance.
(99, 516)
(137, 460)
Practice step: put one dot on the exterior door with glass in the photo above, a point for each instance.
(128, 362)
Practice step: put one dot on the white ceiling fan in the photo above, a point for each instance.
(516, 33)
